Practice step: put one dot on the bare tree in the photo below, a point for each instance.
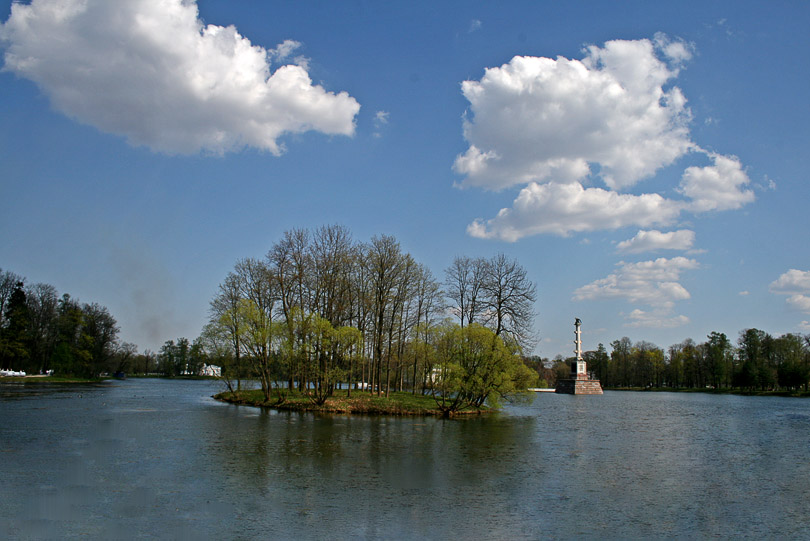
(428, 299)
(361, 309)
(464, 281)
(124, 355)
(290, 261)
(384, 272)
(510, 298)
(8, 281)
(258, 297)
(43, 301)
(332, 254)
(225, 314)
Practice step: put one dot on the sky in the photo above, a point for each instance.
(645, 162)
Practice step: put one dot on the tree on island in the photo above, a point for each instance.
(474, 367)
(496, 293)
(321, 309)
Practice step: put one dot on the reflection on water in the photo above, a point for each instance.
(160, 458)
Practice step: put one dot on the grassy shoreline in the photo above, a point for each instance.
(361, 402)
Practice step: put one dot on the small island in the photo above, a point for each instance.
(364, 403)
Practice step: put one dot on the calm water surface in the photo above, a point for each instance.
(155, 458)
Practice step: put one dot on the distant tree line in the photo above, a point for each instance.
(758, 361)
(41, 331)
(321, 309)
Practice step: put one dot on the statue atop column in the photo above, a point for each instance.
(579, 368)
(579, 383)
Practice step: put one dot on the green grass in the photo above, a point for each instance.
(397, 403)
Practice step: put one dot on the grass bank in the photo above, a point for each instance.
(361, 402)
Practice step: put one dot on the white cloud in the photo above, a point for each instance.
(804, 326)
(650, 241)
(380, 120)
(564, 208)
(557, 126)
(656, 319)
(718, 186)
(652, 283)
(792, 282)
(677, 51)
(284, 50)
(475, 24)
(796, 284)
(799, 302)
(548, 119)
(153, 72)
(743, 293)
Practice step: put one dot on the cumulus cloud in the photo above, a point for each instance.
(650, 241)
(537, 119)
(564, 208)
(656, 319)
(556, 127)
(796, 284)
(791, 282)
(718, 186)
(153, 72)
(652, 283)
(799, 302)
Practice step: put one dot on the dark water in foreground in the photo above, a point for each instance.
(154, 458)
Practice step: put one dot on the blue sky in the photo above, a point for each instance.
(650, 158)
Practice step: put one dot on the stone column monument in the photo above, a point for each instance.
(579, 369)
(579, 382)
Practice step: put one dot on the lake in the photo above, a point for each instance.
(161, 458)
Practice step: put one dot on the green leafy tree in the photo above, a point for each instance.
(620, 358)
(790, 358)
(718, 358)
(598, 363)
(69, 356)
(99, 337)
(216, 343)
(167, 359)
(43, 302)
(753, 370)
(14, 352)
(474, 367)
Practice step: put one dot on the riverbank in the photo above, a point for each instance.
(361, 402)
(741, 392)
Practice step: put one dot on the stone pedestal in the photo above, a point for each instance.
(578, 386)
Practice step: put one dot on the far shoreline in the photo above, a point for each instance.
(41, 378)
(737, 392)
